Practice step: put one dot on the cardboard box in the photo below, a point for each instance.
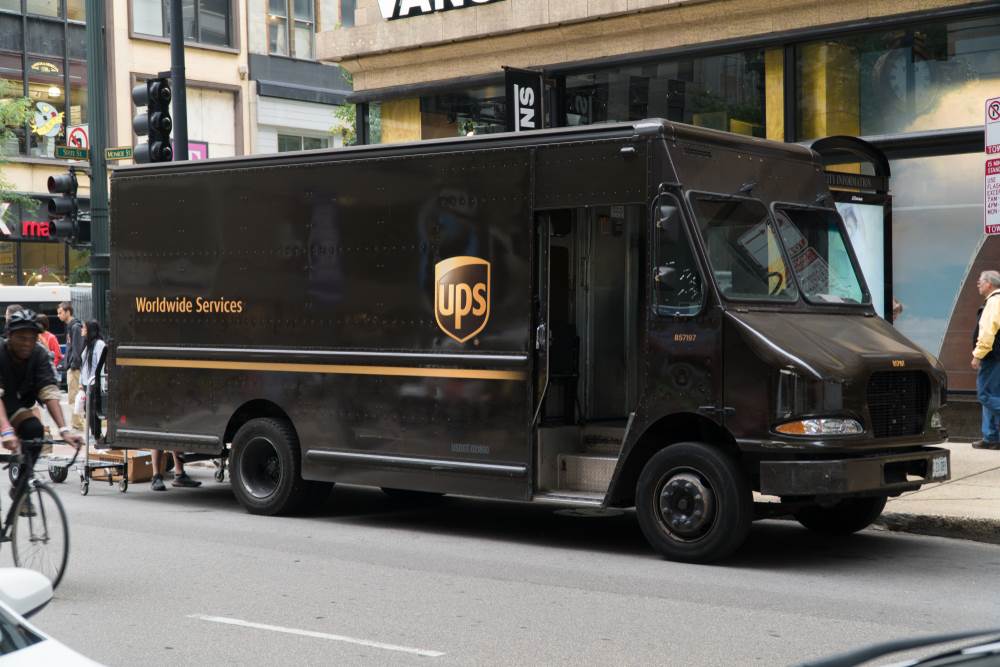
(140, 464)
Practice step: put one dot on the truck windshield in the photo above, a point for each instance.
(742, 248)
(814, 239)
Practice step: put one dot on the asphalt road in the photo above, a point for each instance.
(187, 577)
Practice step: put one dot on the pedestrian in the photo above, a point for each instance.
(90, 382)
(27, 378)
(49, 340)
(986, 360)
(73, 359)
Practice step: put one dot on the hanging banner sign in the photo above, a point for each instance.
(524, 100)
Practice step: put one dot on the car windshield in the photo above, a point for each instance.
(818, 251)
(742, 248)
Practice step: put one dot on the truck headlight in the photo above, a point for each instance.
(835, 426)
(936, 421)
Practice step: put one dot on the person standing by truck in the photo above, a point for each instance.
(73, 359)
(985, 359)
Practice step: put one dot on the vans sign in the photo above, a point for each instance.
(404, 9)
(524, 100)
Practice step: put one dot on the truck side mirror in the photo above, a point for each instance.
(669, 216)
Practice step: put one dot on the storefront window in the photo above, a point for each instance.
(927, 77)
(77, 94)
(48, 113)
(8, 263)
(42, 263)
(79, 266)
(724, 92)
(11, 87)
(464, 113)
(938, 243)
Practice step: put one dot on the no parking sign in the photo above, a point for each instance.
(991, 189)
(78, 136)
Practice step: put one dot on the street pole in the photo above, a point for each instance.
(178, 82)
(97, 112)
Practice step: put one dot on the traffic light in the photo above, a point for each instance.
(155, 122)
(66, 223)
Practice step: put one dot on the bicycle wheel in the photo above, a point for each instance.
(40, 537)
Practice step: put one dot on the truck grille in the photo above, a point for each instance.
(897, 402)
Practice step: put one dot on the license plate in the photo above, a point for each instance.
(940, 467)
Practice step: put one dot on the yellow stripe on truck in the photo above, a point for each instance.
(330, 369)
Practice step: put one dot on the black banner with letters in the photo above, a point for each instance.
(525, 91)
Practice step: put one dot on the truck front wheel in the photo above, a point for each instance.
(265, 469)
(848, 516)
(694, 503)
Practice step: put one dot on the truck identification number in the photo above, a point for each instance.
(685, 338)
(899, 363)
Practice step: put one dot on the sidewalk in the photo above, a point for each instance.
(967, 506)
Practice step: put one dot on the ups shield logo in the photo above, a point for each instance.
(462, 296)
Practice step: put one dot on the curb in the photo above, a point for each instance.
(976, 530)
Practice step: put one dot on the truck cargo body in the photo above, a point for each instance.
(497, 317)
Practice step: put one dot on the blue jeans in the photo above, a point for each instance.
(988, 392)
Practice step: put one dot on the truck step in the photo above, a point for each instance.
(578, 498)
(602, 439)
(585, 472)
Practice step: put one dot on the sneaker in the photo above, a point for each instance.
(158, 484)
(185, 481)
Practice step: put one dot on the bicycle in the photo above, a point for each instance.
(36, 524)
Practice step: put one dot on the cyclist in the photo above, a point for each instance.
(26, 377)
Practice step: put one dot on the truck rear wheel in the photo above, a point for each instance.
(266, 472)
(694, 503)
(848, 516)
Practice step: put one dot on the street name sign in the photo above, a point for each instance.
(72, 153)
(118, 153)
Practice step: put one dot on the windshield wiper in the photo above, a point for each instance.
(863, 655)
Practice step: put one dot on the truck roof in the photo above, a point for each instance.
(669, 130)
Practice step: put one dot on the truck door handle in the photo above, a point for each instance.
(541, 337)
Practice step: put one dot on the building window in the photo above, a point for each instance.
(291, 28)
(294, 142)
(347, 8)
(205, 21)
(724, 92)
(920, 78)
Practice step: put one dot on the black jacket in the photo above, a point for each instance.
(23, 380)
(74, 344)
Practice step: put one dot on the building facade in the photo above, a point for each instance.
(909, 75)
(254, 85)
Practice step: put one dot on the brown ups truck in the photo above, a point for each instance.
(645, 314)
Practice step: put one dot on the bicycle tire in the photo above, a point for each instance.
(40, 533)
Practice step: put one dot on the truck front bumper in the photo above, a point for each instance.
(893, 473)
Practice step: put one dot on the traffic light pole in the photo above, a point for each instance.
(97, 113)
(178, 82)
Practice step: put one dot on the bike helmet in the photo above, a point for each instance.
(23, 319)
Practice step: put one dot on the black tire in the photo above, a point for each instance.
(694, 503)
(848, 516)
(265, 469)
(410, 496)
(12, 471)
(40, 536)
(58, 474)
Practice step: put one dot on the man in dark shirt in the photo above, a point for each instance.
(26, 378)
(73, 359)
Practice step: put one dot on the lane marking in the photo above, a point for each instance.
(317, 635)
(336, 369)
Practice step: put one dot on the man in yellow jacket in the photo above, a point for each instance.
(986, 359)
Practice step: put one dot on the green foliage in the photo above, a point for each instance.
(14, 112)
(80, 274)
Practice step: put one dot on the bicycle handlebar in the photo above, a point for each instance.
(39, 442)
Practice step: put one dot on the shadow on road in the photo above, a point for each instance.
(771, 545)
